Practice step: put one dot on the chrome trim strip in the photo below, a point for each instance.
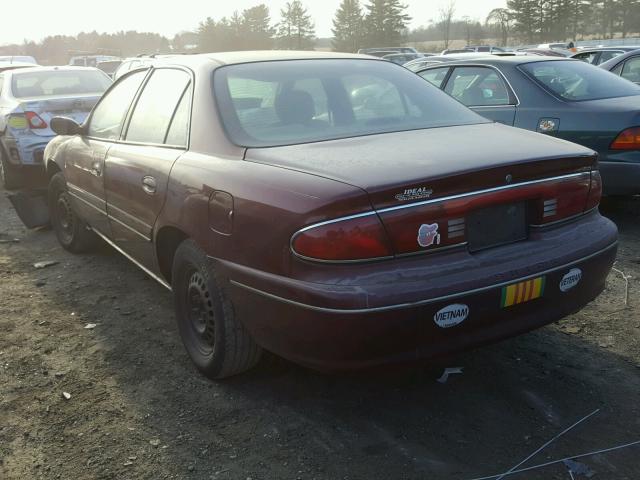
(77, 197)
(482, 192)
(419, 302)
(135, 262)
(99, 201)
(141, 235)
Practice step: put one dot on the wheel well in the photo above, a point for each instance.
(52, 169)
(167, 241)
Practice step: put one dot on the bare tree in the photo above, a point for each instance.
(502, 18)
(445, 18)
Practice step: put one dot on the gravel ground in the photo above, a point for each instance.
(138, 409)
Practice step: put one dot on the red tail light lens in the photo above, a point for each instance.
(628, 139)
(359, 238)
(562, 198)
(35, 121)
(595, 193)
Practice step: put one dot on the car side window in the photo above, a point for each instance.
(477, 86)
(108, 117)
(608, 55)
(156, 105)
(588, 57)
(435, 76)
(631, 70)
(178, 133)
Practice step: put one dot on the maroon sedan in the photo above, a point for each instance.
(334, 209)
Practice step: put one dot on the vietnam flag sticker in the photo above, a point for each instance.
(522, 292)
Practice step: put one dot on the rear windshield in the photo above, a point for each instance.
(575, 80)
(288, 102)
(58, 82)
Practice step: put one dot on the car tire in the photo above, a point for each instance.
(10, 176)
(72, 232)
(216, 341)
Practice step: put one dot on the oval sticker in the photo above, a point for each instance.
(571, 279)
(451, 315)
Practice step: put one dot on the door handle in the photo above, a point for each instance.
(149, 185)
(96, 169)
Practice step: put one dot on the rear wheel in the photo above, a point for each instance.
(216, 341)
(10, 176)
(73, 233)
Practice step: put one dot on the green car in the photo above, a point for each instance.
(565, 98)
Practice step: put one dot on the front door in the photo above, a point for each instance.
(137, 169)
(85, 164)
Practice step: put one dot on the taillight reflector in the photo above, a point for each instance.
(356, 238)
(628, 139)
(35, 121)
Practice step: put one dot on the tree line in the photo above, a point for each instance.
(357, 24)
(539, 20)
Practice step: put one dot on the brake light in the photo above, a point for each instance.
(628, 139)
(356, 238)
(595, 192)
(562, 198)
(35, 121)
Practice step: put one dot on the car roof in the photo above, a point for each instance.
(231, 58)
(65, 68)
(620, 58)
(516, 59)
(627, 48)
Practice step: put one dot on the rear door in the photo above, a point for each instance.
(85, 155)
(484, 90)
(137, 169)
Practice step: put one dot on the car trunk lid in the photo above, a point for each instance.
(441, 187)
(76, 107)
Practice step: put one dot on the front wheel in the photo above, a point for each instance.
(216, 341)
(72, 232)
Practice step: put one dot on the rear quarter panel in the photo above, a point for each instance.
(269, 205)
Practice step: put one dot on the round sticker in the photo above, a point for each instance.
(451, 315)
(571, 279)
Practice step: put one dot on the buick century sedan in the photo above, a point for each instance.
(334, 209)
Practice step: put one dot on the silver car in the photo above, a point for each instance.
(29, 99)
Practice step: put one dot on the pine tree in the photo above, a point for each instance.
(348, 25)
(258, 30)
(296, 30)
(526, 19)
(385, 22)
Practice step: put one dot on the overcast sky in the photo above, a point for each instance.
(37, 19)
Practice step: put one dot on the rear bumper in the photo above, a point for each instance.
(345, 326)
(25, 150)
(621, 173)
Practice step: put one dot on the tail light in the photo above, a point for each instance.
(628, 139)
(35, 121)
(595, 192)
(354, 238)
(562, 198)
(436, 224)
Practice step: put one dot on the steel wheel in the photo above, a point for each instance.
(201, 313)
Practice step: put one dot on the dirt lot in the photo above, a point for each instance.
(138, 409)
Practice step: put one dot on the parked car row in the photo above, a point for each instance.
(339, 210)
(563, 98)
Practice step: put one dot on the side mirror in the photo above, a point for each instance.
(65, 126)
